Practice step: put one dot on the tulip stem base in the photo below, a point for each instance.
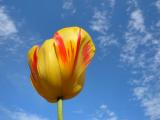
(60, 109)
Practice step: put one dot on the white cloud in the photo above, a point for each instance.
(158, 24)
(100, 23)
(112, 3)
(69, 6)
(137, 20)
(142, 52)
(103, 106)
(157, 3)
(103, 113)
(7, 26)
(150, 99)
(12, 41)
(20, 115)
(8, 33)
(136, 36)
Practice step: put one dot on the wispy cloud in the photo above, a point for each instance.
(137, 21)
(136, 36)
(100, 23)
(68, 6)
(19, 114)
(8, 28)
(112, 3)
(157, 3)
(158, 24)
(142, 52)
(103, 113)
(11, 39)
(8, 32)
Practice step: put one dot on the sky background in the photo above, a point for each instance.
(123, 79)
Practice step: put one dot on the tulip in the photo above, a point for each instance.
(58, 66)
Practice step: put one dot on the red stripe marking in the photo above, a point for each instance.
(61, 46)
(33, 75)
(86, 53)
(77, 48)
(72, 49)
(34, 62)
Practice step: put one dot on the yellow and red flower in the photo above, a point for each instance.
(58, 66)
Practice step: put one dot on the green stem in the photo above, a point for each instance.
(59, 109)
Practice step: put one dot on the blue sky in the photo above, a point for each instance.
(122, 81)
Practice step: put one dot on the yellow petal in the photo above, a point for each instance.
(75, 49)
(65, 45)
(31, 55)
(70, 92)
(49, 70)
(58, 66)
(85, 54)
(39, 88)
(35, 78)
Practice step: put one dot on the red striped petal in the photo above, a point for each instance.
(61, 47)
(86, 53)
(35, 60)
(77, 48)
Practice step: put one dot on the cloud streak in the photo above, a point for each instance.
(157, 3)
(11, 39)
(69, 6)
(100, 24)
(103, 113)
(19, 114)
(8, 28)
(142, 52)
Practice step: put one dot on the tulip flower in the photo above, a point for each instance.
(58, 66)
